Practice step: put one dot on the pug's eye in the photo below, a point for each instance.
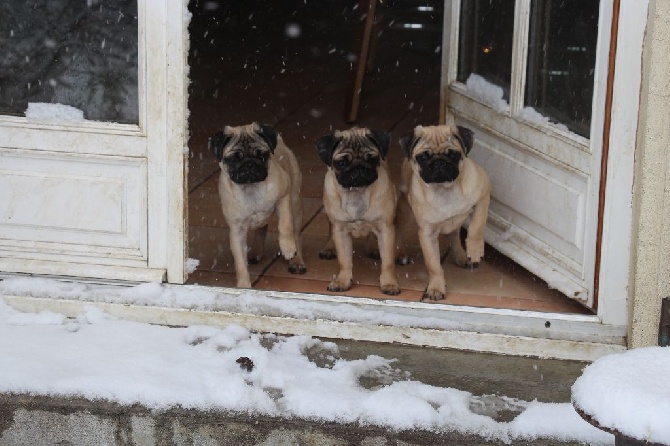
(423, 157)
(340, 163)
(454, 156)
(261, 154)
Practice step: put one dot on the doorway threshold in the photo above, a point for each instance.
(492, 330)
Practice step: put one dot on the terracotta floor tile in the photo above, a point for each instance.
(212, 278)
(513, 303)
(318, 226)
(201, 163)
(210, 246)
(312, 180)
(204, 205)
(310, 209)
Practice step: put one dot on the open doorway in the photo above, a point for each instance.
(290, 64)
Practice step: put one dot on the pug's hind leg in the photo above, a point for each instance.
(328, 251)
(297, 265)
(257, 250)
(401, 256)
(372, 247)
(403, 221)
(456, 251)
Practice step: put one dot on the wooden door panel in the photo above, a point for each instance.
(74, 207)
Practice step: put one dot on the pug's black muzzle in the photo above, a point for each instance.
(247, 171)
(439, 170)
(360, 175)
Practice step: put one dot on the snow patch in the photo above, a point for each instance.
(53, 113)
(191, 265)
(488, 93)
(529, 114)
(99, 357)
(628, 392)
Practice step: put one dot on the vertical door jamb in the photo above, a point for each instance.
(177, 136)
(166, 53)
(614, 286)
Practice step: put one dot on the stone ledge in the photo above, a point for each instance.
(37, 420)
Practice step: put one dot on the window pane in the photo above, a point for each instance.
(561, 61)
(485, 41)
(72, 52)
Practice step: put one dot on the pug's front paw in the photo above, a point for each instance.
(287, 247)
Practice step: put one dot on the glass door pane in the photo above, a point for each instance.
(485, 42)
(561, 61)
(78, 53)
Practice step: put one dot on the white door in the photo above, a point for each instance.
(92, 127)
(530, 76)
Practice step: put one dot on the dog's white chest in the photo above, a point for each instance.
(447, 203)
(453, 202)
(253, 204)
(259, 207)
(355, 205)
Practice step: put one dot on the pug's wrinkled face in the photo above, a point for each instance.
(437, 152)
(244, 151)
(354, 155)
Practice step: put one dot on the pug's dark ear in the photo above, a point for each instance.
(217, 143)
(407, 143)
(467, 138)
(380, 139)
(325, 146)
(269, 134)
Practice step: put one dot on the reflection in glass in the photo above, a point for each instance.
(485, 41)
(73, 52)
(561, 61)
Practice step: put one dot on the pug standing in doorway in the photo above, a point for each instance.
(360, 200)
(444, 188)
(259, 176)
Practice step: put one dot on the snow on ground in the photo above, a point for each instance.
(96, 356)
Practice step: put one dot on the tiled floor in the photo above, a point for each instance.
(244, 68)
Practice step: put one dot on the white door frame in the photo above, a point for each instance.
(168, 38)
(617, 221)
